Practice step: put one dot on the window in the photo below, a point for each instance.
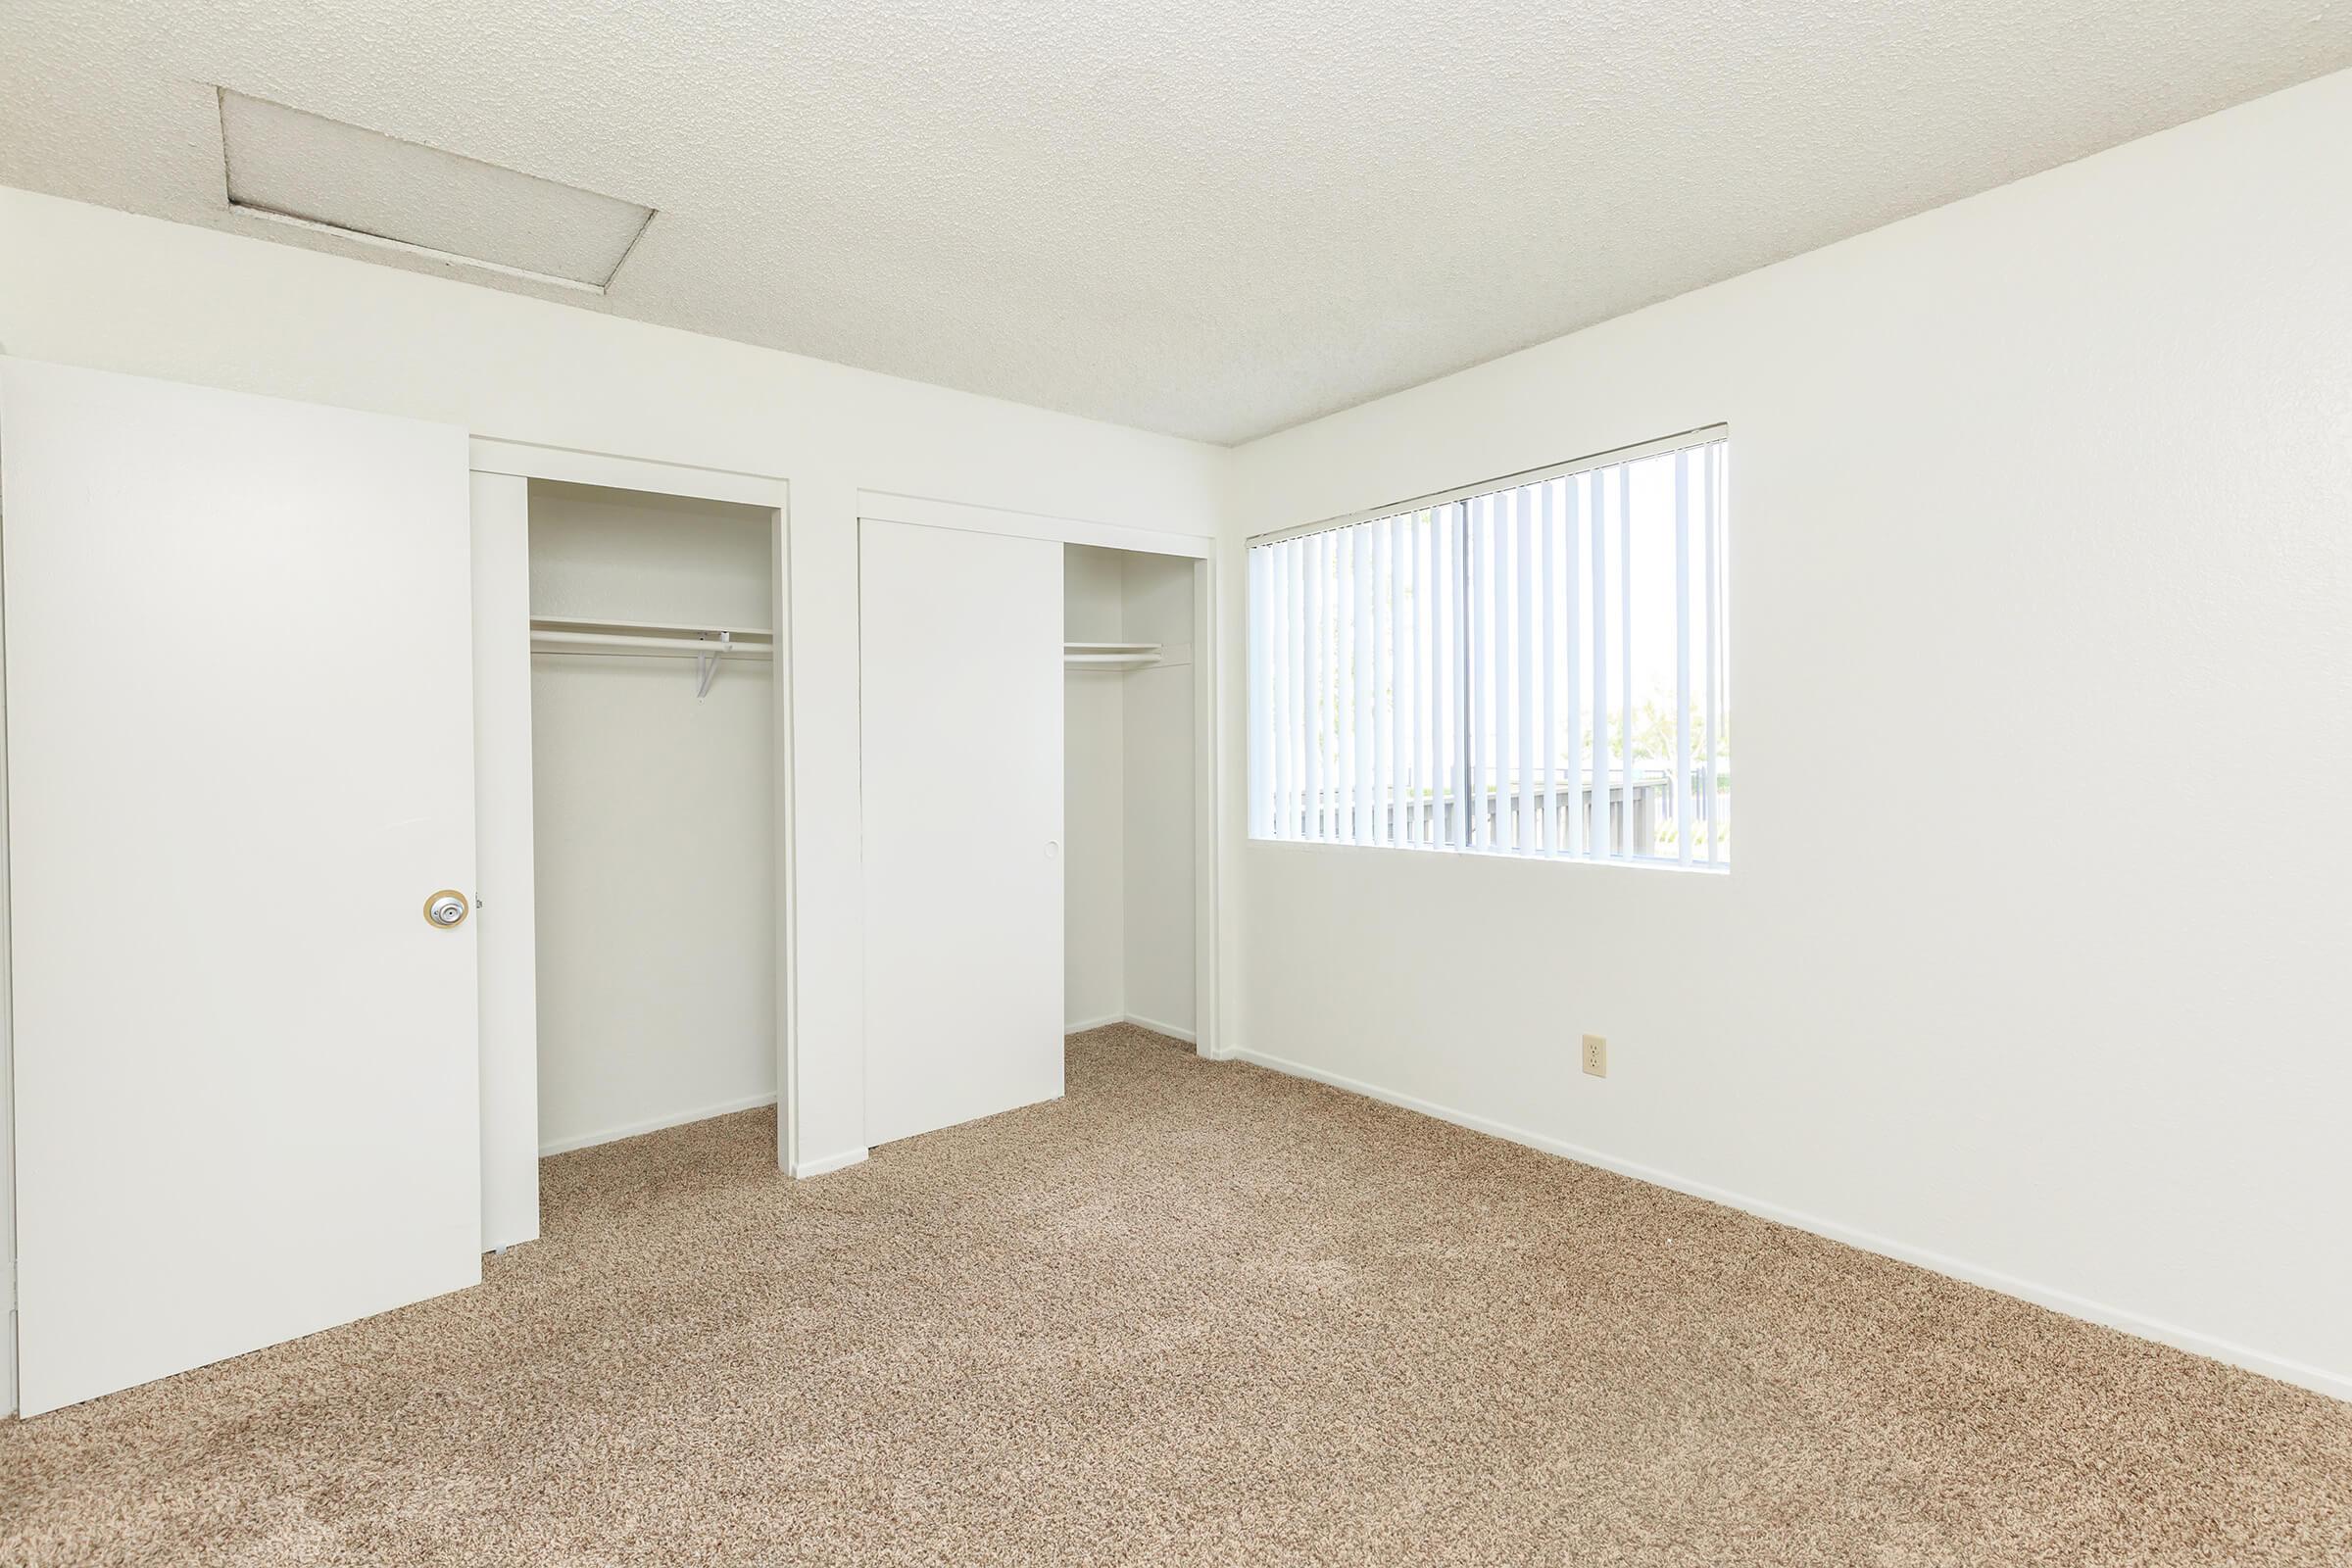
(1537, 668)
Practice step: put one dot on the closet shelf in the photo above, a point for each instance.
(1111, 656)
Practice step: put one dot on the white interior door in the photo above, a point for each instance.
(960, 726)
(240, 758)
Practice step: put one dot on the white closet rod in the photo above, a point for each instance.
(1117, 658)
(620, 639)
(621, 642)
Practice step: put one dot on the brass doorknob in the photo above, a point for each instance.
(446, 908)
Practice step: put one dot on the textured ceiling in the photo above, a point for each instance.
(1214, 218)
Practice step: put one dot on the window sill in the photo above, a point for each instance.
(1698, 867)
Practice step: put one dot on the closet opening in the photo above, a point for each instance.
(1129, 756)
(654, 768)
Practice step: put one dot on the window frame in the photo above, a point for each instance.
(1714, 629)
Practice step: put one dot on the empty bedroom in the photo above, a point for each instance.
(1031, 784)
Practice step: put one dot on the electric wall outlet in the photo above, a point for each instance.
(1596, 1056)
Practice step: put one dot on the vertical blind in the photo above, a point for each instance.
(1536, 669)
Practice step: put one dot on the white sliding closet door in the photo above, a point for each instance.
(239, 708)
(960, 719)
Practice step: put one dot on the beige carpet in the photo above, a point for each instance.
(1193, 1313)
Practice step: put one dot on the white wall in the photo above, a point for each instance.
(7, 1121)
(1094, 974)
(83, 285)
(1156, 807)
(1129, 740)
(652, 822)
(2031, 963)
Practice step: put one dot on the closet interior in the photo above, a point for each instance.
(652, 756)
(1129, 737)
